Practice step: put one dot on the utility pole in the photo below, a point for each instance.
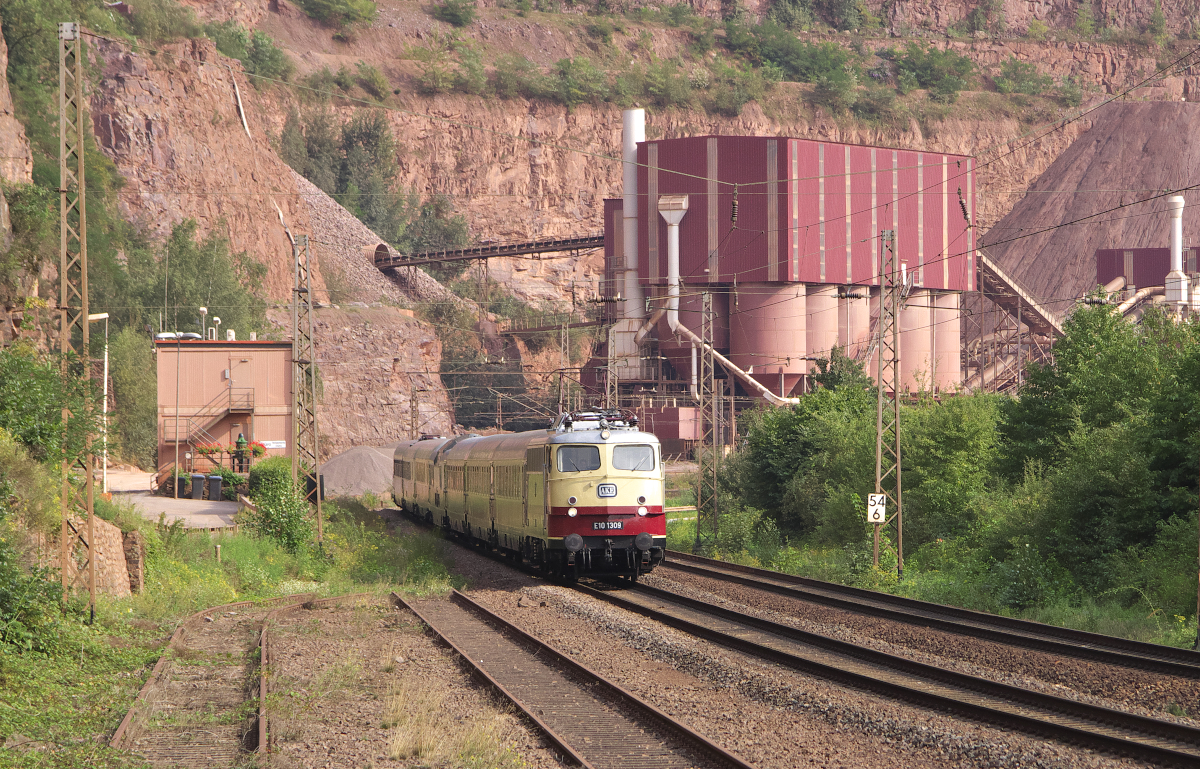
(709, 414)
(611, 399)
(306, 463)
(73, 308)
(563, 357)
(887, 381)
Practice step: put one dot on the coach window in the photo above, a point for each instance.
(578, 459)
(638, 457)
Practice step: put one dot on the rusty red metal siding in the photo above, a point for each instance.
(813, 216)
(1150, 265)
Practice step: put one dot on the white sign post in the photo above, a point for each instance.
(877, 509)
(877, 514)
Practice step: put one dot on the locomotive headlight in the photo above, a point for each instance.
(572, 512)
(641, 500)
(571, 500)
(604, 435)
(642, 511)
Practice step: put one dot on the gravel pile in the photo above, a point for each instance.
(357, 471)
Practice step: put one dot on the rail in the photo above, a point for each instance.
(1006, 630)
(580, 711)
(541, 246)
(1106, 729)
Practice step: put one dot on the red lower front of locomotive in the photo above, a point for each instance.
(610, 539)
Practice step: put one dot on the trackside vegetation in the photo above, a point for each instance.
(67, 684)
(1073, 503)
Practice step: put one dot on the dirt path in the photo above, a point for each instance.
(199, 713)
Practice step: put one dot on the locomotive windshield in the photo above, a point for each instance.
(639, 457)
(578, 459)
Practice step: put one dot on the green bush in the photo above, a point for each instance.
(1022, 77)
(269, 470)
(577, 81)
(792, 14)
(373, 81)
(837, 94)
(943, 72)
(133, 421)
(1085, 23)
(460, 13)
(281, 512)
(516, 77)
(265, 59)
(339, 13)
(159, 20)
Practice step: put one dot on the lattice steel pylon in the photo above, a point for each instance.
(708, 449)
(887, 380)
(306, 463)
(73, 307)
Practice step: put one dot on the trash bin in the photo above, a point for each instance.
(197, 485)
(214, 487)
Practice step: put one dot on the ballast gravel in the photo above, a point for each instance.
(1135, 691)
(773, 717)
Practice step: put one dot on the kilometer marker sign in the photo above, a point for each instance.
(876, 508)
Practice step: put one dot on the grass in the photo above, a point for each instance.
(63, 705)
(423, 729)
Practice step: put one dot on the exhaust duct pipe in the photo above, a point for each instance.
(672, 209)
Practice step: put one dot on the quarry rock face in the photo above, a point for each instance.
(1133, 152)
(16, 160)
(371, 359)
(173, 127)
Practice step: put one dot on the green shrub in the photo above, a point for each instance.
(373, 81)
(844, 14)
(577, 81)
(1037, 30)
(792, 14)
(516, 77)
(1070, 93)
(666, 84)
(231, 38)
(471, 77)
(268, 470)
(944, 73)
(344, 78)
(836, 93)
(339, 13)
(281, 512)
(133, 417)
(158, 20)
(600, 30)
(265, 59)
(1085, 23)
(876, 105)
(1022, 77)
(460, 13)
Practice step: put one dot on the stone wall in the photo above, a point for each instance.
(112, 574)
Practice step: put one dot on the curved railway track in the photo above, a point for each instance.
(1007, 630)
(1079, 723)
(592, 720)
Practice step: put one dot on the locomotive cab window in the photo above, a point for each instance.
(638, 457)
(578, 459)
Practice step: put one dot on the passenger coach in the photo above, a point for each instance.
(583, 497)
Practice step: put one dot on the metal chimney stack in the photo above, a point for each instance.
(1177, 282)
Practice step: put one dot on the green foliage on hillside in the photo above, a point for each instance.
(460, 13)
(356, 163)
(1080, 494)
(255, 50)
(1022, 77)
(340, 13)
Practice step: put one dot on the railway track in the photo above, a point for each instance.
(592, 720)
(1089, 726)
(1007, 630)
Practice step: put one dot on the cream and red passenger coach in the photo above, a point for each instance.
(583, 497)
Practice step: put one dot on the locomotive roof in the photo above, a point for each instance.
(480, 446)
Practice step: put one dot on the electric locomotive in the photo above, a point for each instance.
(582, 497)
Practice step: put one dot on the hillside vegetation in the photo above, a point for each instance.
(1074, 503)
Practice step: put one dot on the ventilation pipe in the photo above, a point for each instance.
(633, 124)
(1177, 282)
(672, 208)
